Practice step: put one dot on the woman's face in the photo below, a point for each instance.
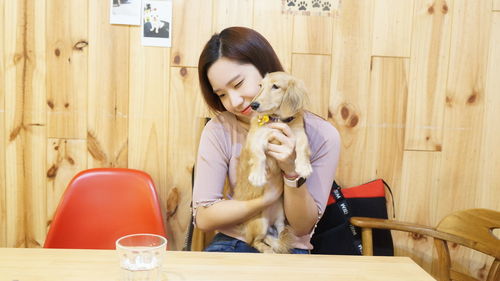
(236, 85)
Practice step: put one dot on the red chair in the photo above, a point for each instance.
(101, 205)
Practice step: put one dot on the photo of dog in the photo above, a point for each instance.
(281, 99)
(157, 23)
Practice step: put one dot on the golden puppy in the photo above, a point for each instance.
(280, 99)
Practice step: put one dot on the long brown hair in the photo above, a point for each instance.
(240, 44)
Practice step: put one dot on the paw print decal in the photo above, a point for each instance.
(302, 6)
(310, 7)
(327, 6)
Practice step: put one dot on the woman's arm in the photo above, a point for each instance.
(300, 209)
(230, 212)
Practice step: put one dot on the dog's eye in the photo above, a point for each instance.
(275, 87)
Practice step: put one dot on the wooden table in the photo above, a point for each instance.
(95, 265)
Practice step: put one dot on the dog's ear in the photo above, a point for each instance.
(294, 98)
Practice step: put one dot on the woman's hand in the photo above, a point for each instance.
(281, 147)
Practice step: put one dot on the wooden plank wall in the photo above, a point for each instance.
(3, 191)
(411, 85)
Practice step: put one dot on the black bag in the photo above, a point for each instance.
(334, 233)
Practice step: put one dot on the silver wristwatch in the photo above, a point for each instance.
(297, 182)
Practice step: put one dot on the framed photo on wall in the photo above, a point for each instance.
(157, 23)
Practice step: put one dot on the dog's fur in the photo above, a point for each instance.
(282, 96)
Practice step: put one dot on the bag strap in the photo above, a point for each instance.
(345, 209)
(392, 199)
(189, 236)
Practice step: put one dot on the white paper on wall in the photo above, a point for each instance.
(125, 12)
(157, 23)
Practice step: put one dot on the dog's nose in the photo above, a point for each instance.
(254, 105)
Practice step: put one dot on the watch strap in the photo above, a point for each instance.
(297, 182)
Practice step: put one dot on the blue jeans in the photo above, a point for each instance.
(224, 243)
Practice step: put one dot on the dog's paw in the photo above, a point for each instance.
(268, 251)
(272, 241)
(303, 169)
(257, 179)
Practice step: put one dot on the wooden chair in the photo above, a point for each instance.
(470, 228)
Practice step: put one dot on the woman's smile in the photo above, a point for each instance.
(247, 111)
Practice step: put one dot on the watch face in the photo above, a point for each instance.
(301, 181)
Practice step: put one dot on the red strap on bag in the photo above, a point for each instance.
(370, 189)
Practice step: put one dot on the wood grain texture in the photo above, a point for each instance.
(65, 158)
(14, 54)
(268, 13)
(392, 27)
(490, 155)
(464, 122)
(182, 155)
(67, 61)
(108, 94)
(416, 202)
(472, 229)
(228, 13)
(312, 35)
(465, 103)
(80, 265)
(349, 80)
(469, 228)
(489, 162)
(35, 118)
(385, 120)
(312, 69)
(148, 104)
(25, 123)
(190, 31)
(3, 190)
(428, 73)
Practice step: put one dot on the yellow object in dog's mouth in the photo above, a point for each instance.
(263, 120)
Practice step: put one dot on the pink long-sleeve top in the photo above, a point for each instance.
(220, 145)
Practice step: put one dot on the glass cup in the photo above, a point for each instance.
(141, 256)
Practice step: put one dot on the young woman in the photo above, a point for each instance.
(230, 68)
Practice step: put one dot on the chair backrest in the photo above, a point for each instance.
(471, 228)
(101, 205)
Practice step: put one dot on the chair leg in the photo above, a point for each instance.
(367, 241)
(444, 262)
